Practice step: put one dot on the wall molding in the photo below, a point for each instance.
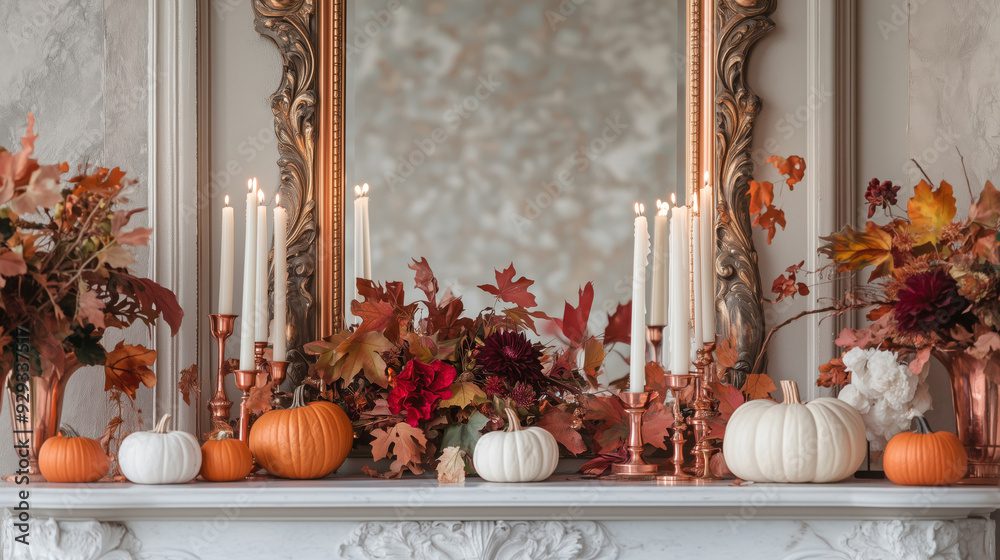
(173, 190)
(830, 156)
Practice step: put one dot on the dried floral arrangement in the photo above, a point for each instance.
(418, 377)
(934, 285)
(64, 271)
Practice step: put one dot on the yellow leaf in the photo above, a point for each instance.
(930, 212)
(855, 250)
(463, 394)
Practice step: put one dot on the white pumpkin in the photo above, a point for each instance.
(516, 455)
(822, 441)
(160, 456)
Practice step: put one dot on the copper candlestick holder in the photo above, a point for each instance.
(705, 409)
(635, 465)
(245, 380)
(220, 406)
(654, 335)
(675, 382)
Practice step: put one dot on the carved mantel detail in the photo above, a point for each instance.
(740, 24)
(483, 540)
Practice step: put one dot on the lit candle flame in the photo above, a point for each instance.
(260, 196)
(364, 189)
(662, 208)
(227, 200)
(673, 199)
(640, 209)
(277, 199)
(251, 184)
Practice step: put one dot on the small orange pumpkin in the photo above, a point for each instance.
(225, 459)
(68, 457)
(304, 441)
(925, 458)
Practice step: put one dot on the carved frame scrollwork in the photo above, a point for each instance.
(308, 110)
(739, 25)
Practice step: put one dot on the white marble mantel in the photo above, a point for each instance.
(565, 518)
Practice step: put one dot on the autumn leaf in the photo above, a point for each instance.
(986, 211)
(656, 378)
(833, 374)
(604, 461)
(794, 167)
(559, 423)
(127, 366)
(188, 383)
(521, 318)
(574, 321)
(787, 285)
(655, 421)
(375, 314)
(593, 356)
(463, 393)
(759, 386)
(609, 414)
(730, 398)
(259, 400)
(619, 327)
(761, 196)
(726, 355)
(89, 307)
(770, 220)
(853, 250)
(407, 443)
(11, 264)
(137, 236)
(110, 433)
(424, 279)
(930, 212)
(466, 434)
(41, 192)
(451, 466)
(103, 181)
(362, 352)
(510, 290)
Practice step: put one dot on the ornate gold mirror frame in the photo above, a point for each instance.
(308, 109)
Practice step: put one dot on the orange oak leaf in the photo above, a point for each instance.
(854, 250)
(362, 352)
(986, 211)
(127, 366)
(375, 314)
(759, 386)
(770, 220)
(136, 236)
(761, 196)
(188, 384)
(794, 167)
(559, 423)
(619, 327)
(930, 212)
(609, 414)
(408, 445)
(593, 356)
(726, 355)
(510, 290)
(259, 400)
(655, 421)
(656, 378)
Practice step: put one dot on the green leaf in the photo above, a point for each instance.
(465, 435)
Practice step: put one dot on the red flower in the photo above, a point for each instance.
(419, 387)
(880, 194)
(929, 303)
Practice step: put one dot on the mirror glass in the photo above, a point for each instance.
(518, 131)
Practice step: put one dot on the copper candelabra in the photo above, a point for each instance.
(676, 382)
(705, 409)
(219, 405)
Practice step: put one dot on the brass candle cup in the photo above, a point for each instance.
(245, 380)
(675, 382)
(222, 327)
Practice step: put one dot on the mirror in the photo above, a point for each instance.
(519, 131)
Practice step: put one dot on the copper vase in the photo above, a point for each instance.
(975, 392)
(39, 420)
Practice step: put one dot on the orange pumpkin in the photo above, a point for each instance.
(67, 457)
(304, 441)
(224, 459)
(925, 458)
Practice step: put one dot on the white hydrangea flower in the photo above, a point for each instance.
(884, 391)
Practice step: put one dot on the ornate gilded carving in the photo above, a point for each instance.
(289, 24)
(740, 25)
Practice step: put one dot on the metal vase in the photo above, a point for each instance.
(975, 392)
(35, 410)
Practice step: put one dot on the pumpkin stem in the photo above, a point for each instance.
(221, 435)
(923, 426)
(513, 424)
(161, 426)
(67, 431)
(298, 397)
(790, 392)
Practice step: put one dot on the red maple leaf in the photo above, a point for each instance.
(619, 327)
(510, 290)
(574, 321)
(770, 220)
(787, 285)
